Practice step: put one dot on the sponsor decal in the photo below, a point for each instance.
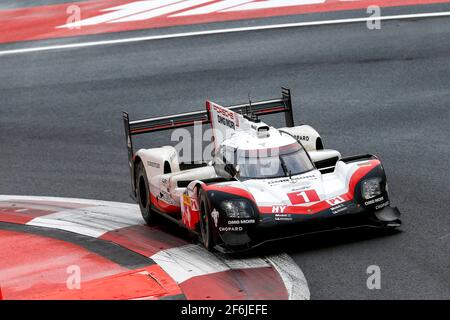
(302, 138)
(373, 201)
(153, 164)
(293, 180)
(226, 122)
(283, 217)
(335, 201)
(167, 198)
(194, 205)
(338, 209)
(186, 200)
(302, 187)
(215, 216)
(187, 216)
(278, 209)
(224, 112)
(231, 229)
(247, 221)
(381, 206)
(225, 117)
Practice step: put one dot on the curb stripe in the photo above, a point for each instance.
(292, 276)
(116, 231)
(190, 261)
(144, 240)
(90, 221)
(238, 284)
(106, 249)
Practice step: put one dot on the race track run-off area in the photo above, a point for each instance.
(57, 248)
(69, 19)
(69, 69)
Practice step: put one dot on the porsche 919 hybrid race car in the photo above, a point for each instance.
(262, 184)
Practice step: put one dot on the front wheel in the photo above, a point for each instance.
(205, 222)
(143, 195)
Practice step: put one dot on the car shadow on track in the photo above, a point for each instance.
(301, 243)
(329, 239)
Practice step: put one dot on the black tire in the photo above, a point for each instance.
(206, 237)
(143, 195)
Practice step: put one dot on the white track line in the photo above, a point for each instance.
(223, 31)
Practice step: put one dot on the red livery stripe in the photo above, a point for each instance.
(324, 205)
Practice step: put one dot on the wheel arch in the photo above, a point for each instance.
(137, 160)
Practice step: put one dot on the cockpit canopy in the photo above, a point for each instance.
(244, 164)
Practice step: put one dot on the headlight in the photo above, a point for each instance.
(237, 209)
(371, 188)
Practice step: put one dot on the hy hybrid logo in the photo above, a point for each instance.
(145, 10)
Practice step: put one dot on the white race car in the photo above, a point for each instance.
(262, 184)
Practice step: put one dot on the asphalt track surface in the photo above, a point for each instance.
(380, 91)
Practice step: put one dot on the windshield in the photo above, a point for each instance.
(288, 163)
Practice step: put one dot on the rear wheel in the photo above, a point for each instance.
(143, 195)
(205, 222)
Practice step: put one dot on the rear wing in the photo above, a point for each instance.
(259, 108)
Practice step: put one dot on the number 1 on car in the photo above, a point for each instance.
(303, 197)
